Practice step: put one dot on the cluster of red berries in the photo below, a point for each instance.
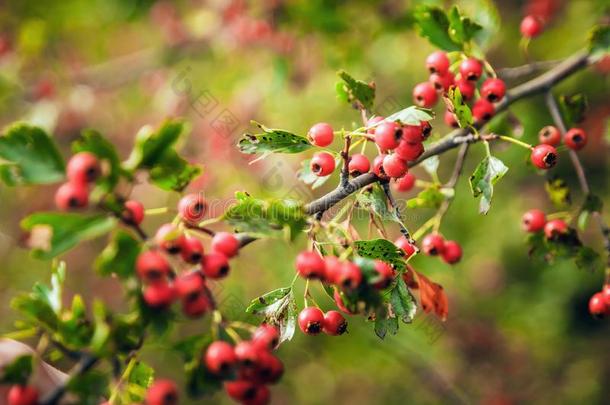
(22, 395)
(599, 304)
(575, 138)
(535, 220)
(312, 321)
(433, 245)
(83, 169)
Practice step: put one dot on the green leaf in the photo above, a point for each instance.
(385, 324)
(272, 141)
(52, 234)
(461, 29)
(573, 108)
(259, 304)
(402, 301)
(356, 92)
(599, 41)
(93, 142)
(592, 203)
(430, 197)
(558, 192)
(482, 181)
(455, 103)
(374, 200)
(381, 249)
(412, 115)
(588, 259)
(310, 178)
(36, 309)
(89, 387)
(433, 24)
(17, 372)
(174, 173)
(119, 257)
(139, 379)
(29, 156)
(279, 308)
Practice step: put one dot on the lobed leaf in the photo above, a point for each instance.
(120, 256)
(482, 181)
(356, 92)
(381, 249)
(273, 141)
(433, 24)
(456, 104)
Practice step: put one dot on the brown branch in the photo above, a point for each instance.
(84, 365)
(344, 179)
(517, 72)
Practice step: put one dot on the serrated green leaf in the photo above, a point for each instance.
(402, 301)
(559, 193)
(119, 257)
(139, 379)
(17, 372)
(430, 197)
(433, 24)
(385, 324)
(461, 28)
(374, 200)
(482, 181)
(93, 142)
(599, 41)
(356, 92)
(259, 304)
(273, 141)
(455, 103)
(381, 249)
(573, 108)
(412, 115)
(89, 387)
(278, 308)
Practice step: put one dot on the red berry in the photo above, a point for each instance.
(334, 323)
(322, 164)
(405, 183)
(406, 246)
(133, 212)
(493, 90)
(443, 82)
(385, 274)
(575, 139)
(170, 238)
(378, 166)
(426, 129)
(158, 295)
(152, 267)
(225, 243)
(340, 304)
(71, 195)
(310, 265)
(450, 119)
(394, 166)
(544, 156)
(84, 167)
(266, 336)
(482, 111)
(220, 357)
(409, 151)
(350, 276)
(471, 69)
(531, 26)
(269, 369)
(332, 267)
(247, 392)
(554, 228)
(321, 134)
(215, 265)
(424, 95)
(533, 221)
(452, 252)
(358, 164)
(370, 124)
(549, 135)
(433, 244)
(192, 208)
(467, 88)
(189, 284)
(192, 250)
(247, 353)
(437, 62)
(196, 305)
(388, 135)
(22, 395)
(597, 305)
(311, 320)
(413, 133)
(162, 392)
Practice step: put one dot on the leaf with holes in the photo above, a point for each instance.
(482, 181)
(402, 302)
(278, 308)
(381, 249)
(573, 108)
(356, 92)
(558, 191)
(455, 103)
(273, 141)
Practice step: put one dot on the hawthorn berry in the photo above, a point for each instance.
(450, 119)
(192, 250)
(406, 246)
(544, 156)
(334, 323)
(554, 228)
(196, 305)
(597, 305)
(159, 295)
(493, 89)
(426, 129)
(388, 135)
(340, 304)
(332, 267)
(437, 62)
(133, 212)
(409, 151)
(189, 284)
(575, 138)
(533, 220)
(225, 243)
(378, 166)
(433, 244)
(192, 208)
(424, 95)
(269, 369)
(350, 276)
(549, 135)
(152, 267)
(531, 26)
(169, 238)
(385, 274)
(471, 69)
(322, 164)
(83, 167)
(394, 166)
(220, 357)
(247, 392)
(266, 336)
(466, 87)
(310, 265)
(71, 195)
(370, 124)
(247, 353)
(443, 82)
(405, 183)
(358, 164)
(452, 252)
(413, 133)
(321, 134)
(311, 320)
(162, 392)
(482, 111)
(215, 265)
(22, 395)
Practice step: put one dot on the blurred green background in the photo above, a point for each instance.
(518, 331)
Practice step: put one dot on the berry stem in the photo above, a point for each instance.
(156, 211)
(514, 141)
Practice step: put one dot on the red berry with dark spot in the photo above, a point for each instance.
(482, 111)
(247, 353)
(378, 166)
(493, 90)
(388, 135)
(310, 265)
(196, 305)
(442, 83)
(269, 369)
(437, 62)
(385, 274)
(409, 151)
(471, 69)
(406, 246)
(554, 228)
(192, 250)
(162, 392)
(84, 167)
(544, 156)
(225, 243)
(133, 212)
(405, 183)
(22, 395)
(334, 323)
(266, 336)
(332, 269)
(533, 221)
(220, 358)
(358, 164)
(152, 267)
(394, 166)
(215, 265)
(169, 238)
(575, 139)
(189, 284)
(71, 195)
(466, 87)
(192, 208)
(159, 295)
(426, 129)
(597, 305)
(322, 164)
(370, 124)
(433, 244)
(321, 134)
(311, 320)
(424, 95)
(350, 276)
(450, 119)
(549, 135)
(452, 252)
(247, 392)
(531, 26)
(413, 133)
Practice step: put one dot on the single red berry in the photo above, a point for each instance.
(371, 124)
(322, 164)
(84, 167)
(466, 87)
(409, 151)
(406, 246)
(531, 26)
(378, 166)
(189, 284)
(424, 95)
(597, 305)
(247, 353)
(311, 320)
(22, 395)
(358, 164)
(413, 133)
(575, 138)
(426, 129)
(452, 252)
(437, 62)
(350, 276)
(321, 134)
(225, 243)
(247, 392)
(388, 135)
(192, 208)
(493, 90)
(450, 119)
(71, 195)
(310, 265)
(159, 295)
(269, 369)
(433, 244)
(385, 274)
(332, 266)
(215, 265)
(196, 305)
(220, 357)
(162, 392)
(471, 69)
(549, 135)
(152, 267)
(533, 221)
(170, 238)
(482, 111)
(266, 336)
(442, 83)
(334, 323)
(544, 156)
(133, 212)
(192, 250)
(394, 166)
(554, 228)
(405, 183)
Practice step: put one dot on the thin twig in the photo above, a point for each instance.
(455, 176)
(385, 185)
(344, 177)
(80, 368)
(517, 72)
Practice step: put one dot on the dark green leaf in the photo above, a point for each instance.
(119, 257)
(18, 371)
(89, 387)
(402, 302)
(412, 115)
(93, 142)
(174, 172)
(433, 24)
(482, 181)
(461, 29)
(356, 92)
(458, 107)
(592, 203)
(259, 304)
(573, 108)
(36, 309)
(272, 141)
(374, 199)
(558, 192)
(430, 197)
(599, 40)
(381, 249)
(385, 324)
(588, 259)
(138, 381)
